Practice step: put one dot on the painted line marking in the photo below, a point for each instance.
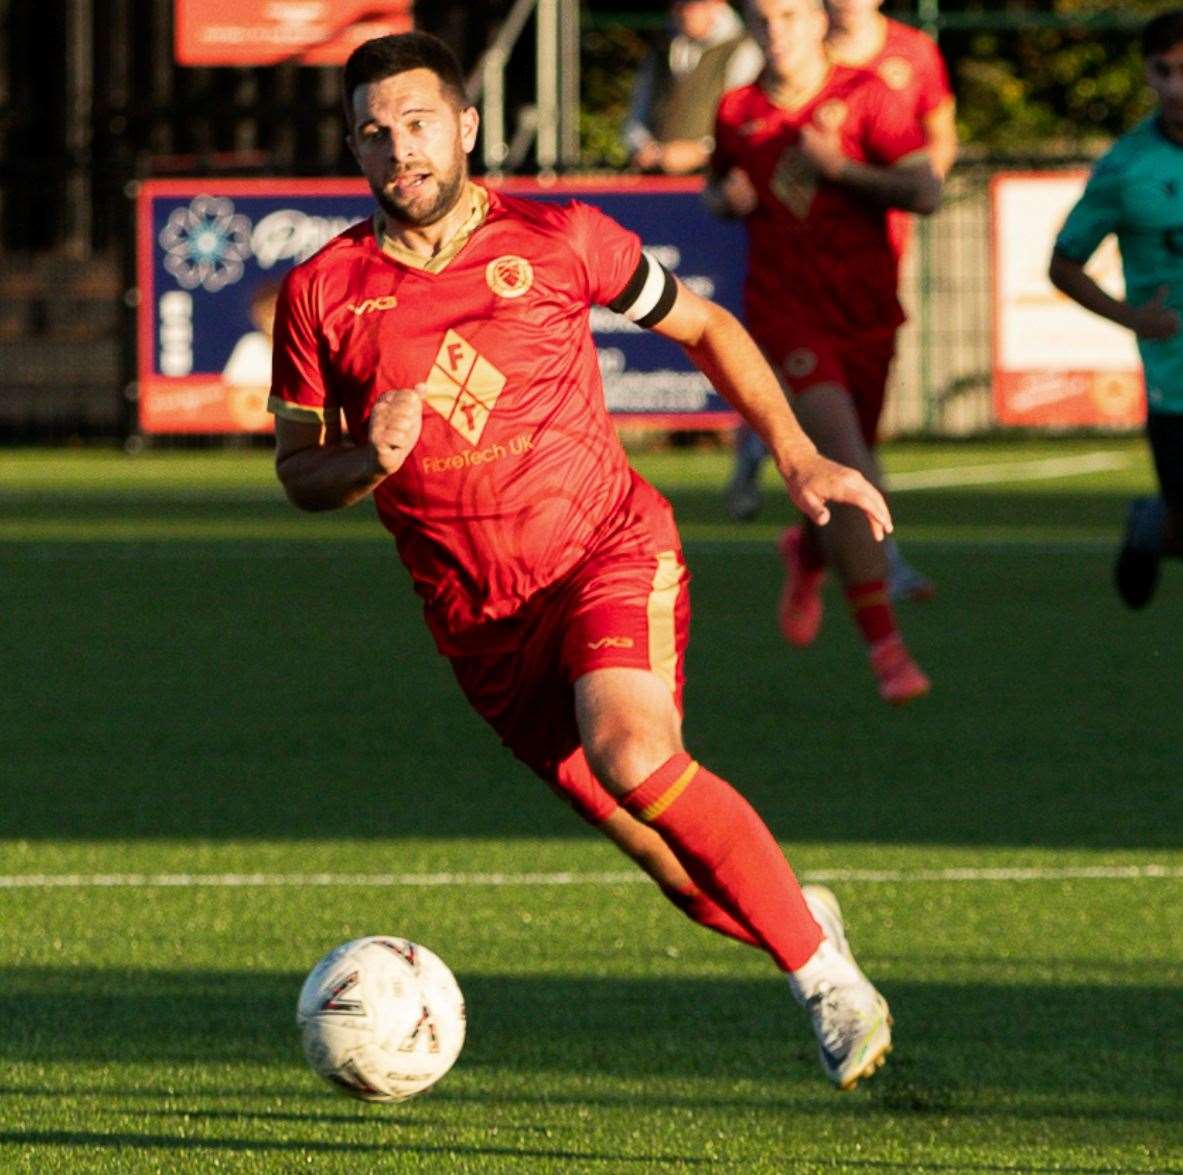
(440, 880)
(1043, 469)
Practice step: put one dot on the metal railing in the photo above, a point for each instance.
(551, 123)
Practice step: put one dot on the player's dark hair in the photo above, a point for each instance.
(383, 57)
(1163, 33)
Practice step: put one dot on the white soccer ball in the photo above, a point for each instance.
(382, 1018)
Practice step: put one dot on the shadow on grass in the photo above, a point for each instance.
(966, 1050)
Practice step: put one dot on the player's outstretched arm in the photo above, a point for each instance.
(1152, 320)
(727, 355)
(320, 473)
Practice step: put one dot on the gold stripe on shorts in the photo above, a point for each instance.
(663, 636)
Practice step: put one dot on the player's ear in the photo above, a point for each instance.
(470, 121)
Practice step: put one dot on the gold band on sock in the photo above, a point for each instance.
(651, 811)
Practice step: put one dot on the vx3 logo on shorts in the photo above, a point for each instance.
(612, 642)
(371, 305)
(463, 386)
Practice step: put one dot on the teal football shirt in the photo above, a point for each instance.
(1136, 191)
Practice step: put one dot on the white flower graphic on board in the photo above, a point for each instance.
(206, 243)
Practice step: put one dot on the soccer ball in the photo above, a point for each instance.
(382, 1018)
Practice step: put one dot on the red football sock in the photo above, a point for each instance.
(701, 909)
(871, 608)
(730, 854)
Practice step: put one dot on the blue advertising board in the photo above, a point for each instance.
(211, 254)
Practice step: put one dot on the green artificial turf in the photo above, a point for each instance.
(212, 701)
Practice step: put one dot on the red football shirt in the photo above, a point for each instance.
(819, 254)
(518, 472)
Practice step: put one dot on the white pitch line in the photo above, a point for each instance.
(1043, 469)
(460, 880)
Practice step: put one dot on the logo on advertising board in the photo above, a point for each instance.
(211, 260)
(205, 244)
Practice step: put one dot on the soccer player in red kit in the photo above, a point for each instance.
(451, 332)
(812, 156)
(909, 63)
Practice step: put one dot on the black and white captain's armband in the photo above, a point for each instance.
(649, 295)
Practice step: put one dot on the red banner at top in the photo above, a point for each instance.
(268, 32)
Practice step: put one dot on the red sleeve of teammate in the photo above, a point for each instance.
(297, 382)
(610, 253)
(932, 77)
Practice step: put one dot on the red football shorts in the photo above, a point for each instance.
(860, 364)
(626, 605)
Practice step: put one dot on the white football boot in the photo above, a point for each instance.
(850, 1018)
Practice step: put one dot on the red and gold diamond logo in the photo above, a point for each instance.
(463, 386)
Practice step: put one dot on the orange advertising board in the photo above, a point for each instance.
(268, 32)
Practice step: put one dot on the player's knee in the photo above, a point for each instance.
(625, 755)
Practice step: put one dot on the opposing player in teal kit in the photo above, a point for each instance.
(1136, 191)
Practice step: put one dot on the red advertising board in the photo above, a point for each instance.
(267, 32)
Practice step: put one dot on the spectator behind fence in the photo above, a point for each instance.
(704, 53)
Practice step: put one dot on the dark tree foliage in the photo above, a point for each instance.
(1033, 78)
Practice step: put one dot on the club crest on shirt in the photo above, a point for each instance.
(463, 386)
(896, 72)
(509, 276)
(753, 126)
(831, 115)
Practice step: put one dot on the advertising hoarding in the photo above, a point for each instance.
(211, 254)
(1055, 364)
(268, 32)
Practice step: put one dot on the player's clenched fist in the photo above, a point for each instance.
(395, 423)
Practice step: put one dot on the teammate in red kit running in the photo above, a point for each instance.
(910, 64)
(812, 156)
(452, 334)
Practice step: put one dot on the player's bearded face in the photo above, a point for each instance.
(411, 140)
(419, 193)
